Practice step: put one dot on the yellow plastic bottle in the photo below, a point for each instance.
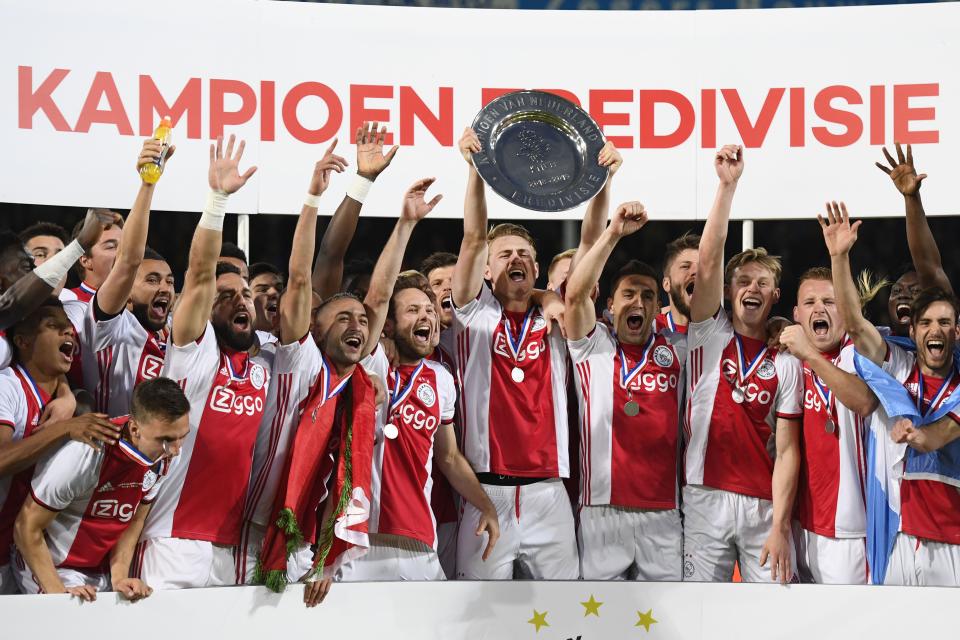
(150, 173)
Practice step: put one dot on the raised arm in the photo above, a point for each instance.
(28, 292)
(595, 218)
(580, 313)
(371, 161)
(708, 295)
(849, 389)
(786, 469)
(113, 293)
(468, 274)
(297, 299)
(415, 208)
(200, 285)
(840, 236)
(923, 247)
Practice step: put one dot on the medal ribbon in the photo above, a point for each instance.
(937, 399)
(233, 374)
(325, 377)
(744, 376)
(626, 377)
(670, 323)
(516, 345)
(138, 456)
(34, 389)
(397, 396)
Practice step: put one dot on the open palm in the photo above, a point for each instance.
(415, 205)
(902, 171)
(371, 161)
(838, 234)
(224, 174)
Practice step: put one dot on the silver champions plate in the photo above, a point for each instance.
(539, 151)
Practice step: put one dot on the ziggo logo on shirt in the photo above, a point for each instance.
(752, 393)
(661, 382)
(226, 400)
(417, 418)
(111, 509)
(531, 352)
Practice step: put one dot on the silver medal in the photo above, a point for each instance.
(831, 425)
(517, 374)
(631, 408)
(738, 395)
(391, 431)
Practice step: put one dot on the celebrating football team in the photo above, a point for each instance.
(319, 421)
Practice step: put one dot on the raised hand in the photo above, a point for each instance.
(224, 174)
(903, 174)
(729, 163)
(610, 158)
(415, 206)
(371, 161)
(321, 171)
(97, 221)
(469, 144)
(628, 218)
(151, 151)
(838, 234)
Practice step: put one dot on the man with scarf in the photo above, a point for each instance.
(913, 500)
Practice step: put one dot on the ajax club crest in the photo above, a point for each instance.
(149, 479)
(257, 376)
(767, 370)
(426, 394)
(663, 356)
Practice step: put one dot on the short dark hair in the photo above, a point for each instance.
(160, 398)
(688, 240)
(342, 295)
(410, 280)
(903, 269)
(81, 272)
(9, 240)
(44, 229)
(437, 260)
(259, 268)
(28, 325)
(151, 254)
(225, 267)
(231, 250)
(927, 297)
(632, 268)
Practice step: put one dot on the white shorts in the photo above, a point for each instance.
(618, 543)
(826, 560)
(298, 564)
(447, 548)
(920, 562)
(27, 582)
(536, 530)
(721, 528)
(392, 558)
(177, 563)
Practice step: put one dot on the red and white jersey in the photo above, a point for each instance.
(420, 399)
(443, 500)
(67, 295)
(21, 405)
(731, 445)
(96, 493)
(928, 508)
(6, 353)
(297, 368)
(84, 293)
(629, 461)
(206, 485)
(830, 492)
(664, 322)
(513, 368)
(124, 353)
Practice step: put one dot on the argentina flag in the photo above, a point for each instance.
(884, 458)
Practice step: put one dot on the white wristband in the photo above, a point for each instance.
(214, 211)
(53, 270)
(359, 188)
(311, 200)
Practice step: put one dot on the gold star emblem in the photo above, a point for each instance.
(646, 619)
(591, 606)
(539, 620)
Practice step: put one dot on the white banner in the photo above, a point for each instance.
(811, 93)
(498, 610)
